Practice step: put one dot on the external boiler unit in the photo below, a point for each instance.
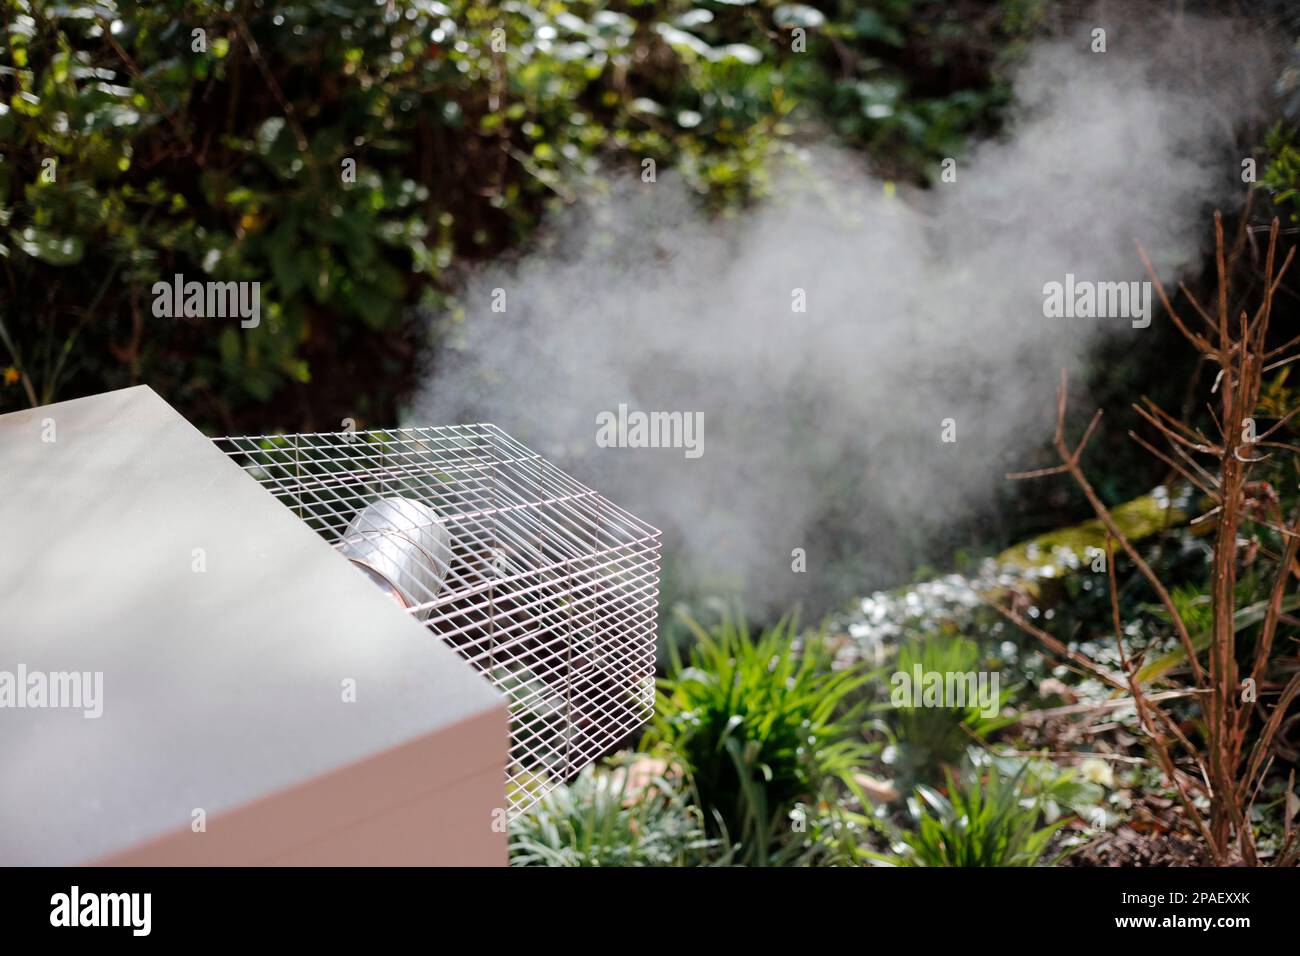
(353, 647)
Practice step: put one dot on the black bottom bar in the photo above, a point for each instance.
(494, 906)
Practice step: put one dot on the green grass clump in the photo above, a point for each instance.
(933, 739)
(988, 821)
(761, 724)
(600, 819)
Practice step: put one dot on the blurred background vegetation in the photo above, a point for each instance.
(219, 154)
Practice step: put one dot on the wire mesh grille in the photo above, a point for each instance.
(544, 586)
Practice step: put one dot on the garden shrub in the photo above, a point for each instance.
(760, 724)
(213, 140)
(981, 821)
(931, 740)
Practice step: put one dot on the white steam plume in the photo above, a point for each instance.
(822, 430)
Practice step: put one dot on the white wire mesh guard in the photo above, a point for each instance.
(546, 587)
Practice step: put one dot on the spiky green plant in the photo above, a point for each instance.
(984, 821)
(932, 739)
(760, 724)
(600, 820)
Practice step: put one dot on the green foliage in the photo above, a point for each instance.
(1281, 175)
(135, 149)
(829, 833)
(981, 822)
(599, 820)
(223, 157)
(931, 739)
(908, 81)
(1196, 610)
(760, 724)
(1058, 790)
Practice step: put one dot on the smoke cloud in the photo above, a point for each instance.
(823, 430)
